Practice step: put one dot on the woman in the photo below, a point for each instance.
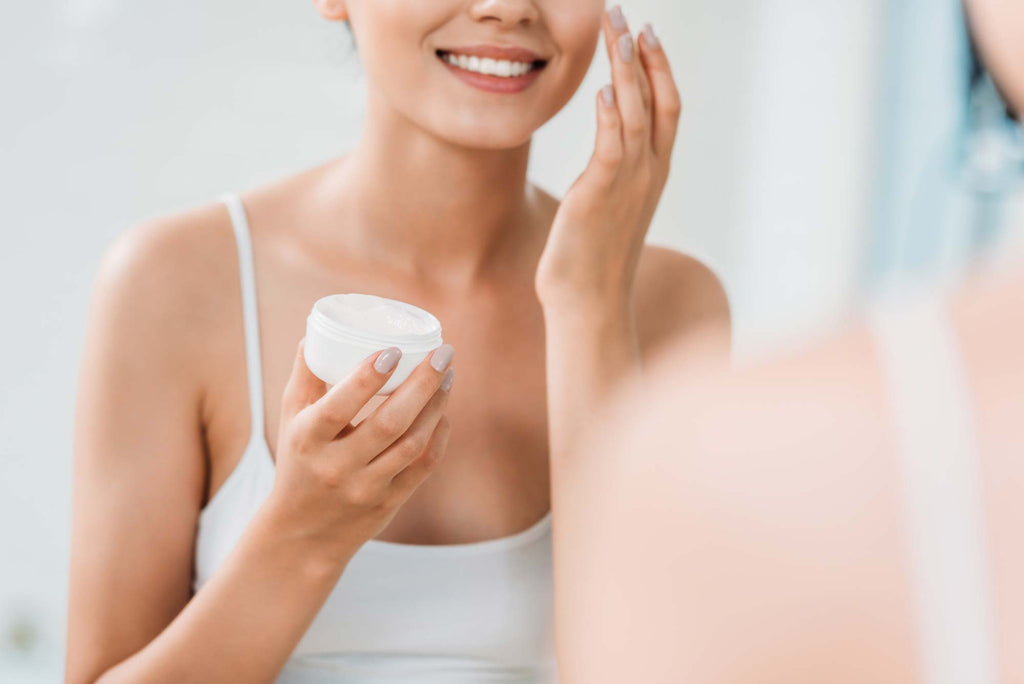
(864, 526)
(218, 539)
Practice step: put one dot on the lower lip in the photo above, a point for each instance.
(495, 84)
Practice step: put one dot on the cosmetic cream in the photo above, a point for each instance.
(343, 329)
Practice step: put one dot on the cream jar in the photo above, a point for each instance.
(343, 329)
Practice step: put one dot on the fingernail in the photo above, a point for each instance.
(617, 19)
(608, 93)
(441, 357)
(449, 378)
(650, 38)
(387, 360)
(626, 47)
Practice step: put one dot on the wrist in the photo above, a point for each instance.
(588, 308)
(572, 289)
(319, 556)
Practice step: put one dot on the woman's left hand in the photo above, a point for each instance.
(598, 233)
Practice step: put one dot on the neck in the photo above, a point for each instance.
(425, 204)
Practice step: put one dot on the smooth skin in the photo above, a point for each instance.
(551, 305)
(748, 525)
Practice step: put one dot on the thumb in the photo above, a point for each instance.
(303, 388)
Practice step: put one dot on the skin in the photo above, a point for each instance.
(776, 552)
(546, 318)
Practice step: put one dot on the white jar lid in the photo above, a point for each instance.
(376, 321)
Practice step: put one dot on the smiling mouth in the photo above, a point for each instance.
(487, 66)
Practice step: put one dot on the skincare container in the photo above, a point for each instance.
(343, 329)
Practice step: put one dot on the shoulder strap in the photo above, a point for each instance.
(929, 399)
(249, 311)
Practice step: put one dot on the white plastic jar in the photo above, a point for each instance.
(343, 329)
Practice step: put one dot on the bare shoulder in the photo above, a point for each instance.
(678, 296)
(163, 282)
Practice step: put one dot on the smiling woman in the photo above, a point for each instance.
(250, 522)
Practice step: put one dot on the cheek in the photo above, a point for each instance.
(575, 30)
(576, 34)
(390, 35)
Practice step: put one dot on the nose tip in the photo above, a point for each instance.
(511, 12)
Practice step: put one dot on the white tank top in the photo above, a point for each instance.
(943, 494)
(401, 613)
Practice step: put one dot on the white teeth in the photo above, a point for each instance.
(493, 67)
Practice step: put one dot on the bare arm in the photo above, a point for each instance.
(137, 472)
(608, 301)
(138, 481)
(753, 522)
(749, 523)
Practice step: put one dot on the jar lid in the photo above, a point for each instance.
(377, 321)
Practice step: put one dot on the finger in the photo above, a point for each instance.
(667, 104)
(606, 161)
(406, 482)
(396, 457)
(333, 412)
(627, 77)
(390, 420)
(302, 388)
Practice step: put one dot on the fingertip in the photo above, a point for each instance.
(649, 39)
(607, 95)
(303, 385)
(387, 360)
(441, 357)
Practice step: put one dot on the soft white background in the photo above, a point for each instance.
(115, 111)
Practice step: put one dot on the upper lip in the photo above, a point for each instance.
(511, 53)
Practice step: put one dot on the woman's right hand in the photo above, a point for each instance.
(339, 485)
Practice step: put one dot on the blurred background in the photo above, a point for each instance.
(827, 147)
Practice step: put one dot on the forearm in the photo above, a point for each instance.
(245, 622)
(592, 349)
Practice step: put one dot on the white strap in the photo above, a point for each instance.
(249, 311)
(942, 484)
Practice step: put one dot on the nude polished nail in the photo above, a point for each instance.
(649, 37)
(387, 360)
(442, 357)
(626, 47)
(617, 19)
(608, 93)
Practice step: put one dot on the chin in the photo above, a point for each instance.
(487, 137)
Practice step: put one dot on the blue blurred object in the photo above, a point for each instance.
(949, 156)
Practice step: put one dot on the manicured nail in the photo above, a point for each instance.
(650, 38)
(608, 93)
(387, 360)
(449, 378)
(617, 19)
(442, 357)
(626, 47)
